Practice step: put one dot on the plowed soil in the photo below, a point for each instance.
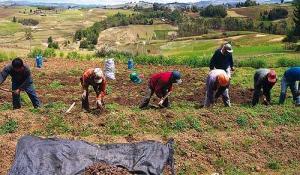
(219, 143)
(105, 169)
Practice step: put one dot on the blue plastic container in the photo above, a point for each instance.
(39, 61)
(130, 64)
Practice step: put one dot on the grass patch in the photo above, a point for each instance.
(9, 28)
(55, 106)
(9, 126)
(119, 126)
(242, 121)
(56, 84)
(274, 165)
(5, 106)
(57, 125)
(189, 122)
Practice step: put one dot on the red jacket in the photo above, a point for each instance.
(88, 79)
(160, 83)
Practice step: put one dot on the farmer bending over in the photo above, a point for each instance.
(222, 59)
(161, 85)
(264, 79)
(21, 81)
(217, 84)
(95, 78)
(289, 79)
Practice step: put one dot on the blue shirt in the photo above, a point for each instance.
(20, 79)
(221, 61)
(292, 74)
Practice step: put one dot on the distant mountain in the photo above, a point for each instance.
(142, 4)
(36, 4)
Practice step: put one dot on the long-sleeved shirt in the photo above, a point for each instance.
(212, 85)
(88, 78)
(21, 79)
(161, 82)
(292, 74)
(261, 82)
(221, 61)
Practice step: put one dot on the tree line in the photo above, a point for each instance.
(274, 14)
(26, 22)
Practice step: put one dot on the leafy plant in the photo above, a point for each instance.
(9, 127)
(56, 84)
(242, 121)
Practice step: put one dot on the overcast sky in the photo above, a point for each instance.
(104, 1)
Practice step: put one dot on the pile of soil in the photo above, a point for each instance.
(103, 168)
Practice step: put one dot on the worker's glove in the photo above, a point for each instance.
(161, 102)
(83, 96)
(16, 92)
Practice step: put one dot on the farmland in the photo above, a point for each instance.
(237, 140)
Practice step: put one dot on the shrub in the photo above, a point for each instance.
(49, 52)
(34, 52)
(73, 55)
(196, 61)
(53, 45)
(286, 62)
(28, 22)
(61, 54)
(253, 62)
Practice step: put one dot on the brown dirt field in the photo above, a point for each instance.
(220, 138)
(125, 92)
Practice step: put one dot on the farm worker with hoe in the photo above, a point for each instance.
(264, 79)
(21, 81)
(217, 84)
(222, 59)
(162, 85)
(289, 79)
(95, 78)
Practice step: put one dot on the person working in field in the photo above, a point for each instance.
(96, 79)
(161, 85)
(21, 81)
(216, 85)
(264, 79)
(222, 59)
(289, 79)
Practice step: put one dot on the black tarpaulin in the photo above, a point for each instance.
(38, 156)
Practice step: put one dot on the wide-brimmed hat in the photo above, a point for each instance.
(228, 48)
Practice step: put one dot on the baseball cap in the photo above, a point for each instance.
(272, 78)
(223, 80)
(98, 75)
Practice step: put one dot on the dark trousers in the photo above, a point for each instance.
(85, 101)
(257, 93)
(30, 92)
(148, 96)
